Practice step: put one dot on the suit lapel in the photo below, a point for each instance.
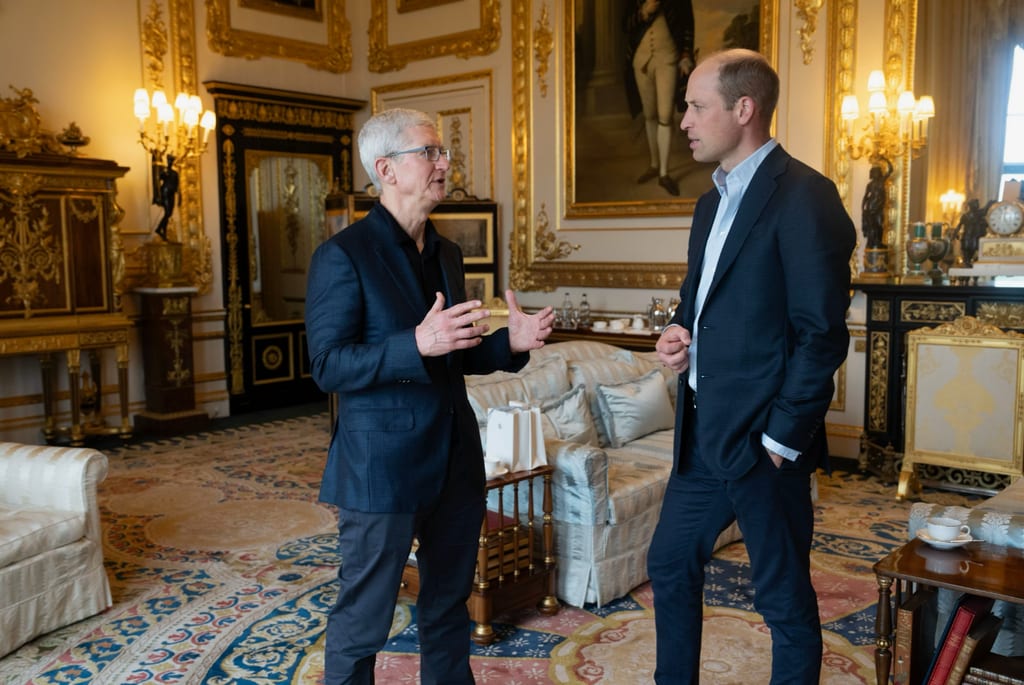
(760, 190)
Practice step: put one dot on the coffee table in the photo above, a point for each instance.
(977, 568)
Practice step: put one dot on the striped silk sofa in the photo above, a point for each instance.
(51, 550)
(608, 418)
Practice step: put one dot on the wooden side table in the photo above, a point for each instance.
(977, 568)
(516, 558)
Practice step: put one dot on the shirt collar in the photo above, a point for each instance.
(737, 180)
(431, 238)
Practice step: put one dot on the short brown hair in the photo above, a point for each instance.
(748, 73)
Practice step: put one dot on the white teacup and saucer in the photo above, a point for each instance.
(945, 533)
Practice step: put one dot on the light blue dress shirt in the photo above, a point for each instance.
(731, 186)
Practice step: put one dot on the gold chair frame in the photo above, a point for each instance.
(965, 400)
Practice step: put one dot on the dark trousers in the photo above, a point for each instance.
(374, 550)
(776, 515)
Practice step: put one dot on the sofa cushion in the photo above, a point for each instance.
(649, 360)
(635, 408)
(546, 380)
(592, 373)
(27, 532)
(568, 418)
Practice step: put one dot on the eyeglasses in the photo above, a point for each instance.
(431, 153)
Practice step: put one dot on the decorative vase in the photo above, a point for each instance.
(918, 248)
(938, 246)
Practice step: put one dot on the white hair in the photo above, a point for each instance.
(385, 133)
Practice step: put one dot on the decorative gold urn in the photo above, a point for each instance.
(163, 260)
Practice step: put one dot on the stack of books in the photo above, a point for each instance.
(962, 654)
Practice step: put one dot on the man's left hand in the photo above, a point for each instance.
(527, 331)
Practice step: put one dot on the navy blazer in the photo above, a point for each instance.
(391, 446)
(773, 326)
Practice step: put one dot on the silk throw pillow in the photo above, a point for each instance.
(570, 418)
(635, 408)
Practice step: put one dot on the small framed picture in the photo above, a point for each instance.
(474, 232)
(480, 286)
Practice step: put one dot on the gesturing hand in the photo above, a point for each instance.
(527, 331)
(674, 348)
(443, 330)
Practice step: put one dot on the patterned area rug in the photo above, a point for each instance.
(223, 567)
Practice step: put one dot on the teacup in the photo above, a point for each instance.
(946, 529)
(638, 322)
(600, 325)
(618, 325)
(494, 467)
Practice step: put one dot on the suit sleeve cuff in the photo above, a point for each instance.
(779, 449)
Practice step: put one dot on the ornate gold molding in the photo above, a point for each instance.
(916, 311)
(1002, 314)
(549, 247)
(29, 252)
(881, 310)
(335, 56)
(969, 327)
(543, 44)
(878, 382)
(465, 44)
(842, 51)
(807, 11)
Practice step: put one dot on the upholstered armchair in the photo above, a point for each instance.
(51, 552)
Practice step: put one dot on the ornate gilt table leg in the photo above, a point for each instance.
(122, 390)
(883, 631)
(49, 402)
(74, 390)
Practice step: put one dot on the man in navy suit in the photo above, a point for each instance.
(390, 332)
(758, 335)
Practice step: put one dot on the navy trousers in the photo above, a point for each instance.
(374, 550)
(776, 516)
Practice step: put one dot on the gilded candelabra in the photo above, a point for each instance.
(172, 137)
(896, 126)
(175, 134)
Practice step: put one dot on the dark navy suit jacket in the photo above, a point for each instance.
(773, 326)
(394, 435)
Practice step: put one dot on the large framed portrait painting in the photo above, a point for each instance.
(625, 98)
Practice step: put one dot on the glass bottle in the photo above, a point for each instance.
(568, 313)
(584, 312)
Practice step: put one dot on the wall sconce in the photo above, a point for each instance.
(952, 204)
(173, 136)
(895, 127)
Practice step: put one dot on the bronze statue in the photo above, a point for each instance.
(872, 209)
(167, 194)
(971, 228)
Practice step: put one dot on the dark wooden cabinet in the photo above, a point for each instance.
(61, 279)
(892, 310)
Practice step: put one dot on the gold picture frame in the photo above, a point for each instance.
(480, 286)
(334, 55)
(386, 56)
(288, 8)
(603, 156)
(414, 5)
(965, 400)
(474, 232)
(537, 260)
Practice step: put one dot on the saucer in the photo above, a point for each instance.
(501, 471)
(958, 541)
